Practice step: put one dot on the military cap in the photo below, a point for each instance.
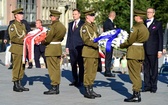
(139, 13)
(18, 11)
(55, 13)
(90, 12)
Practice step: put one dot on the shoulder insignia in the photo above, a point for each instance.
(11, 29)
(83, 30)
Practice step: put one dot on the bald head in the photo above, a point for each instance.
(112, 15)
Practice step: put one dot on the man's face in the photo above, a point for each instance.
(53, 18)
(19, 16)
(150, 13)
(38, 24)
(76, 15)
(90, 18)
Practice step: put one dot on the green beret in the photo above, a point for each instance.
(139, 13)
(18, 11)
(89, 12)
(55, 13)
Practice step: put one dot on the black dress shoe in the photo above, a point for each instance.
(10, 67)
(153, 91)
(146, 90)
(30, 67)
(109, 75)
(73, 84)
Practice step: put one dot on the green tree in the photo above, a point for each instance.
(122, 8)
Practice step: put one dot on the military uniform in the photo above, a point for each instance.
(135, 53)
(17, 31)
(53, 51)
(90, 54)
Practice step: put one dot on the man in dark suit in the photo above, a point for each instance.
(40, 48)
(109, 25)
(6, 37)
(153, 51)
(74, 47)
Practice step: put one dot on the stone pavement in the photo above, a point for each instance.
(113, 90)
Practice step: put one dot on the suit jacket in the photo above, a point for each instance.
(73, 38)
(108, 25)
(28, 28)
(140, 34)
(155, 41)
(55, 33)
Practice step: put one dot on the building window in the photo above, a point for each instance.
(29, 7)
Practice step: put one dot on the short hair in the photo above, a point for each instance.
(76, 10)
(112, 12)
(152, 8)
(39, 20)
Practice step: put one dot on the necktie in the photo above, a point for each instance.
(148, 20)
(74, 26)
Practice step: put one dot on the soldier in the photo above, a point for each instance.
(90, 53)
(53, 51)
(139, 34)
(17, 31)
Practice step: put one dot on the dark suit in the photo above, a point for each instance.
(108, 25)
(75, 45)
(39, 51)
(152, 46)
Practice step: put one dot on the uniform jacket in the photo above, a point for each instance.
(17, 31)
(139, 34)
(56, 33)
(73, 38)
(155, 41)
(88, 33)
(108, 25)
(28, 28)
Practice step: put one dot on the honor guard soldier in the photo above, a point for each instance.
(90, 53)
(53, 51)
(135, 54)
(17, 31)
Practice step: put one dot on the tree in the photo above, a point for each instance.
(122, 8)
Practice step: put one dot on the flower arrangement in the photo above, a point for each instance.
(111, 38)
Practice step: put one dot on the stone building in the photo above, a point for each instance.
(35, 9)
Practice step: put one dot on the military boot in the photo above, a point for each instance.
(16, 87)
(93, 93)
(53, 90)
(88, 93)
(136, 97)
(22, 87)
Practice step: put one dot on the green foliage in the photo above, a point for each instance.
(122, 8)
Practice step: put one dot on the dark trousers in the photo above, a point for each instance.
(37, 54)
(108, 59)
(77, 59)
(151, 72)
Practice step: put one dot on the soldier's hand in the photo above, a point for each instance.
(159, 55)
(164, 51)
(5, 41)
(67, 50)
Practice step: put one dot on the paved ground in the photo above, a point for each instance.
(113, 90)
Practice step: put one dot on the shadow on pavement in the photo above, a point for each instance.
(30, 80)
(115, 85)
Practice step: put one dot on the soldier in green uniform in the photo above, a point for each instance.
(90, 53)
(17, 31)
(135, 53)
(53, 51)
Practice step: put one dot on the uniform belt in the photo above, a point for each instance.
(55, 42)
(137, 44)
